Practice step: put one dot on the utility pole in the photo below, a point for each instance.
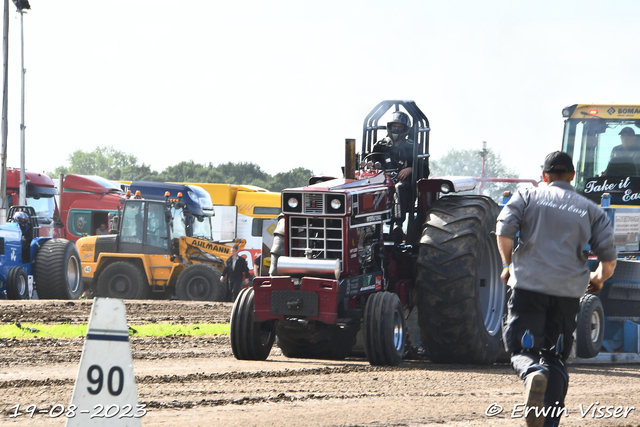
(4, 131)
(22, 5)
(483, 154)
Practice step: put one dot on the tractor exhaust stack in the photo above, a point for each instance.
(350, 159)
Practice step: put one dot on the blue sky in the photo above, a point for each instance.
(283, 83)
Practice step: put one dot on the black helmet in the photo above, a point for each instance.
(399, 118)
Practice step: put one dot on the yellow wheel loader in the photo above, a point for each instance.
(149, 253)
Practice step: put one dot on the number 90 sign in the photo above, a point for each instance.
(114, 380)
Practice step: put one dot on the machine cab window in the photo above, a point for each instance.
(604, 143)
(133, 223)
(156, 226)
(144, 228)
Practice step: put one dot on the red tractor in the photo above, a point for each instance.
(338, 268)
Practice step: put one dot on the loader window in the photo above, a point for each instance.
(177, 225)
(201, 227)
(133, 222)
(156, 228)
(596, 149)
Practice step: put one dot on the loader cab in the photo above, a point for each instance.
(604, 143)
(144, 228)
(149, 226)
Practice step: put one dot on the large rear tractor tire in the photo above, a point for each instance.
(123, 280)
(58, 270)
(17, 285)
(384, 329)
(315, 340)
(250, 340)
(461, 299)
(590, 330)
(200, 282)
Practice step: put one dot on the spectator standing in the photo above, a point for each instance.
(548, 274)
(236, 271)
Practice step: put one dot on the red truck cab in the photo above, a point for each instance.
(40, 195)
(86, 202)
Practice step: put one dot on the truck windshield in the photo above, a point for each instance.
(602, 148)
(44, 207)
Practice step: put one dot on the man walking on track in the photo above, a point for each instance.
(548, 274)
(236, 270)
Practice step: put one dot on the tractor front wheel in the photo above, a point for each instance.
(200, 282)
(123, 280)
(384, 329)
(250, 340)
(17, 284)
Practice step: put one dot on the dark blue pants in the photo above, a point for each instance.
(539, 334)
(405, 198)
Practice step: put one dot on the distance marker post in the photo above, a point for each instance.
(105, 392)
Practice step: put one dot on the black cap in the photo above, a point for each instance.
(627, 131)
(558, 162)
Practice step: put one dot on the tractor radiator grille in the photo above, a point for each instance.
(323, 236)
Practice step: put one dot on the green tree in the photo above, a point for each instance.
(469, 163)
(106, 162)
(242, 173)
(187, 172)
(297, 177)
(117, 165)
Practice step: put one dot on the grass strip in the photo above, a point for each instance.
(66, 330)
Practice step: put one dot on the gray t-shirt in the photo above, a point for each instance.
(555, 225)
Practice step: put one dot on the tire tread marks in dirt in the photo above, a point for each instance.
(200, 282)
(250, 340)
(449, 312)
(51, 270)
(381, 315)
(586, 347)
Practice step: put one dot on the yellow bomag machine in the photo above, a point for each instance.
(604, 142)
(151, 251)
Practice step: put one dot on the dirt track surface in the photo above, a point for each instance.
(197, 382)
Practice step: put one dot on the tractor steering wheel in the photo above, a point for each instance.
(378, 160)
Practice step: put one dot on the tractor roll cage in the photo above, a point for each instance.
(419, 134)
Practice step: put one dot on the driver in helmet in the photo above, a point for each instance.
(27, 234)
(398, 152)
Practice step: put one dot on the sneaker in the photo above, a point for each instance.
(535, 385)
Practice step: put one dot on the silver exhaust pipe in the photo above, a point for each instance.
(288, 266)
